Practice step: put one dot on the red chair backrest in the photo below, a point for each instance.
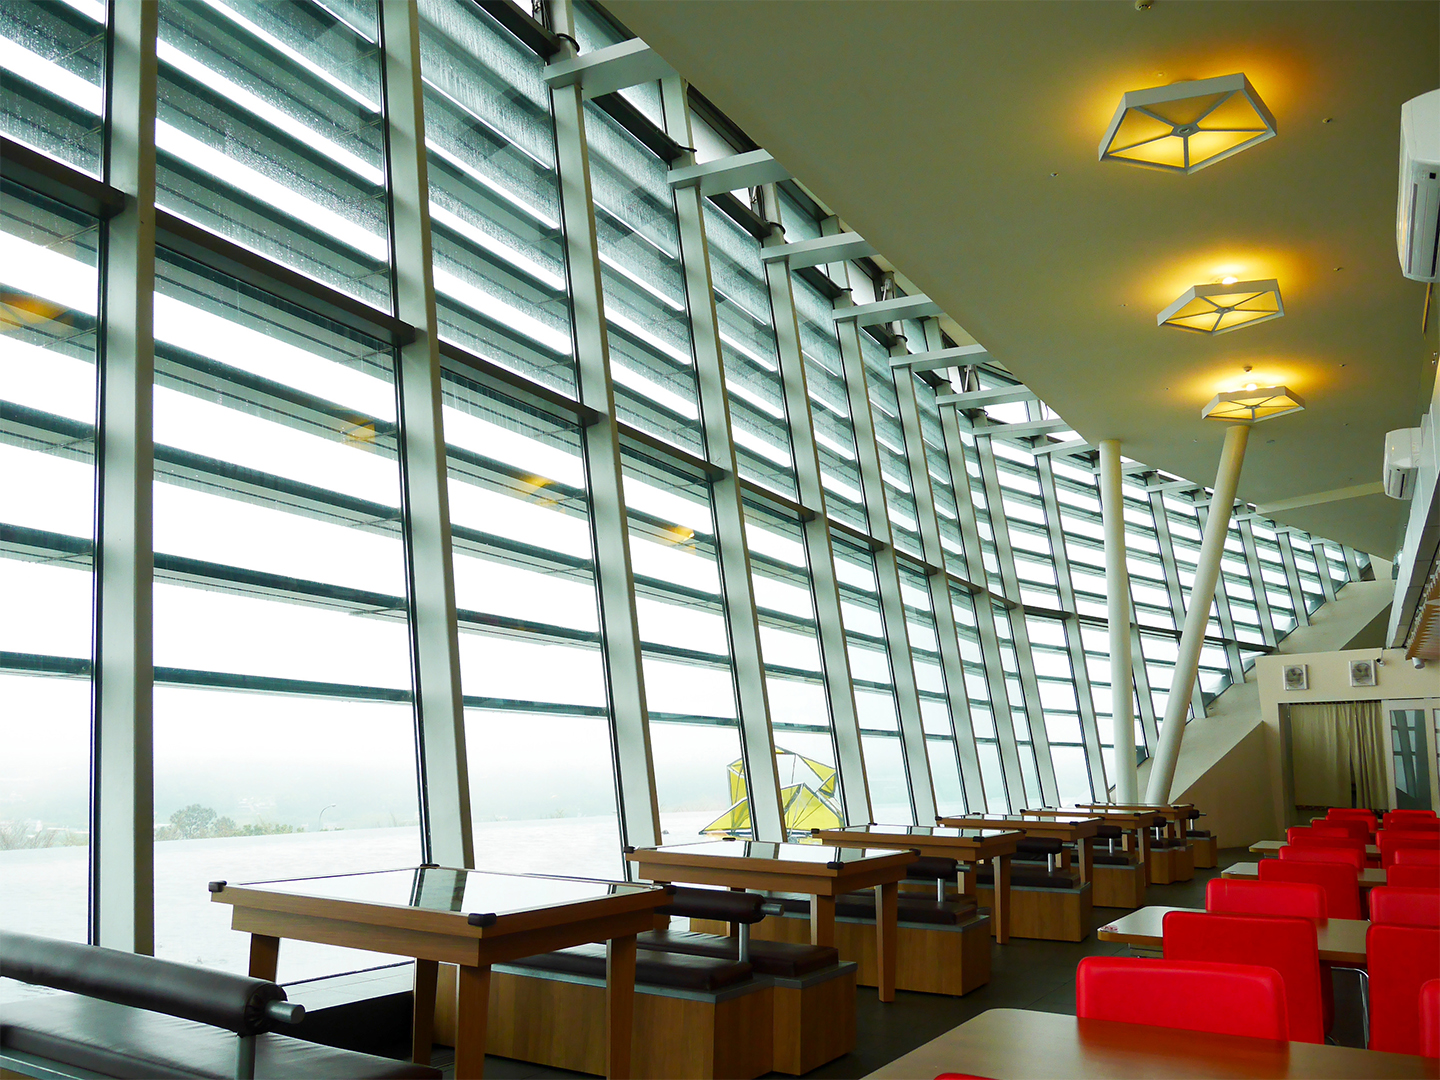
(1401, 959)
(1288, 945)
(1224, 999)
(1430, 1019)
(1348, 856)
(1305, 838)
(1351, 813)
(1321, 828)
(1231, 896)
(1420, 817)
(1351, 827)
(1391, 841)
(1416, 856)
(1340, 881)
(1413, 877)
(1396, 905)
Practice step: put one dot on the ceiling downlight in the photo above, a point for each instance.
(1186, 126)
(1221, 307)
(1251, 405)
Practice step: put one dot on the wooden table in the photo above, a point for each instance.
(1341, 941)
(1138, 821)
(822, 871)
(1271, 849)
(467, 917)
(969, 846)
(1176, 815)
(1016, 1044)
(1370, 877)
(1072, 828)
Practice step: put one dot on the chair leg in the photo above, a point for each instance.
(245, 1058)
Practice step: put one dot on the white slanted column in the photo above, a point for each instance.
(1192, 638)
(1117, 591)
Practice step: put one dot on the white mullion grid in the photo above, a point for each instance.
(951, 664)
(1146, 700)
(1075, 645)
(122, 833)
(742, 620)
(815, 530)
(1292, 577)
(1019, 631)
(637, 801)
(1223, 610)
(1322, 566)
(1257, 581)
(1352, 564)
(887, 572)
(984, 612)
(447, 834)
(1160, 516)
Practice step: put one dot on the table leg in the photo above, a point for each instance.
(422, 1026)
(472, 1013)
(887, 933)
(1087, 858)
(1000, 910)
(822, 920)
(619, 1005)
(264, 956)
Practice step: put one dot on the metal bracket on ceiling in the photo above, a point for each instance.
(749, 170)
(978, 399)
(607, 70)
(941, 359)
(821, 250)
(885, 311)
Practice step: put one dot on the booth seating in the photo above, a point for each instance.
(1204, 848)
(1171, 859)
(1047, 901)
(942, 947)
(1119, 875)
(130, 1015)
(706, 1005)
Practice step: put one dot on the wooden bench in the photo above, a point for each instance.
(1049, 906)
(128, 1015)
(1119, 874)
(1204, 848)
(942, 948)
(1171, 860)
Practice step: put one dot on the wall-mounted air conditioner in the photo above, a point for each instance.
(1402, 460)
(1417, 221)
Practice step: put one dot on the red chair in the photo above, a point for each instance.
(1430, 1019)
(1391, 841)
(1320, 829)
(1224, 999)
(1229, 896)
(1395, 905)
(1398, 817)
(1417, 856)
(1305, 838)
(1346, 813)
(1288, 945)
(1348, 856)
(1401, 960)
(1339, 880)
(1413, 877)
(1354, 828)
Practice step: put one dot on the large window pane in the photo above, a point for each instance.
(52, 66)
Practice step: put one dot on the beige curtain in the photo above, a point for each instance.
(1334, 744)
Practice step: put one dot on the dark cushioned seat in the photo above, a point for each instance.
(1165, 843)
(1109, 832)
(118, 1040)
(719, 904)
(911, 909)
(781, 959)
(1024, 878)
(1031, 845)
(930, 868)
(1118, 858)
(652, 967)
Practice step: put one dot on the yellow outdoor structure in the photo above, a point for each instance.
(807, 792)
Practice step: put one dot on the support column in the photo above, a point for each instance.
(600, 447)
(1192, 638)
(435, 643)
(742, 620)
(1117, 594)
(122, 861)
(815, 530)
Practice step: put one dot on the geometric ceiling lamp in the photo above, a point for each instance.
(1253, 404)
(1224, 306)
(1186, 126)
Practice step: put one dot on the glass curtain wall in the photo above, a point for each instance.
(281, 606)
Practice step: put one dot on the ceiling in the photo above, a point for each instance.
(961, 139)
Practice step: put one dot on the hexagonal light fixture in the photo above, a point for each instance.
(1253, 404)
(1223, 306)
(1186, 126)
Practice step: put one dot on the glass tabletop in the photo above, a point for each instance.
(936, 831)
(758, 849)
(1063, 819)
(444, 889)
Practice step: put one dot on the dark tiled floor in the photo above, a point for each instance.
(1024, 975)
